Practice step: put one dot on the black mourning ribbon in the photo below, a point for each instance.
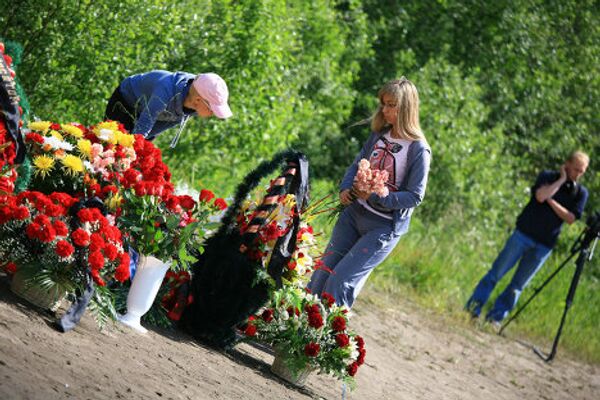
(285, 245)
(74, 314)
(9, 109)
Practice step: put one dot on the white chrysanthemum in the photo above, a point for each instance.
(57, 144)
(105, 134)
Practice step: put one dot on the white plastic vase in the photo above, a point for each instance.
(146, 282)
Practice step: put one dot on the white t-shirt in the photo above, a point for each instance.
(389, 154)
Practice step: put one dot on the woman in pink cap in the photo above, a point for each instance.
(152, 102)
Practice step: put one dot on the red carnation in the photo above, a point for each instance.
(220, 203)
(122, 273)
(312, 349)
(311, 308)
(111, 252)
(352, 369)
(360, 341)
(342, 340)
(97, 278)
(267, 315)
(55, 126)
(132, 176)
(60, 228)
(33, 230)
(315, 320)
(96, 242)
(96, 260)
(292, 265)
(206, 195)
(327, 299)
(338, 324)
(64, 249)
(80, 237)
(21, 213)
(187, 202)
(361, 356)
(47, 233)
(34, 137)
(85, 215)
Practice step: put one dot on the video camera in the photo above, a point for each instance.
(593, 224)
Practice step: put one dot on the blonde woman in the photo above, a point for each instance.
(370, 226)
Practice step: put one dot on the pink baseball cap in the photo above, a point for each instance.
(214, 89)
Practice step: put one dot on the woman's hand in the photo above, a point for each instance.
(346, 197)
(360, 194)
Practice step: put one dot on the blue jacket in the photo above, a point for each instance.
(157, 97)
(412, 189)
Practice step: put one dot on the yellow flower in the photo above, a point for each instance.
(73, 131)
(73, 164)
(126, 140)
(40, 126)
(56, 134)
(107, 131)
(113, 201)
(85, 147)
(43, 165)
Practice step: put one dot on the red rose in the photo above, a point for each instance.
(206, 195)
(292, 265)
(10, 267)
(250, 330)
(54, 126)
(132, 176)
(60, 228)
(187, 202)
(267, 315)
(220, 203)
(80, 237)
(312, 349)
(172, 202)
(64, 249)
(342, 340)
(352, 369)
(315, 320)
(338, 324)
(96, 260)
(293, 310)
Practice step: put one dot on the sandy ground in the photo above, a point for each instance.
(411, 354)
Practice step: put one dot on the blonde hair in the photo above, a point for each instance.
(406, 96)
(579, 155)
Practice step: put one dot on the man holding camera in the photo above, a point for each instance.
(556, 197)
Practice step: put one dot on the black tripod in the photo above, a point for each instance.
(581, 247)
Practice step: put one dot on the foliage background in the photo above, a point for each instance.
(507, 88)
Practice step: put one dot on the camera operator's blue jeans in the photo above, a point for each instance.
(360, 241)
(518, 246)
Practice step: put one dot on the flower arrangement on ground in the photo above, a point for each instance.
(278, 222)
(55, 247)
(73, 159)
(309, 333)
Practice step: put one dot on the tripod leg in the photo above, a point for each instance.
(570, 295)
(535, 293)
